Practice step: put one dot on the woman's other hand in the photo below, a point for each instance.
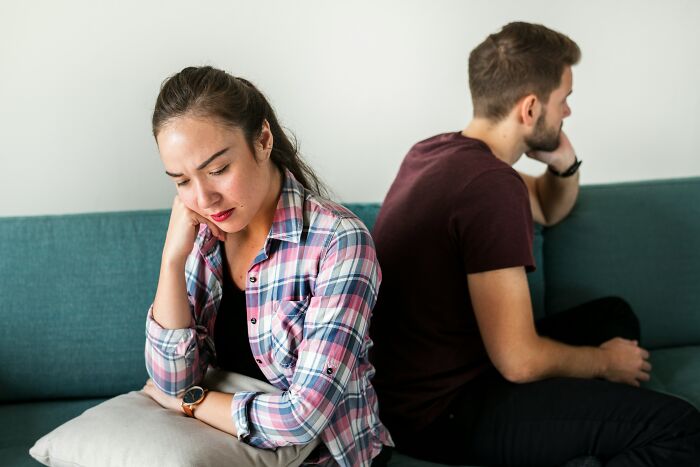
(166, 401)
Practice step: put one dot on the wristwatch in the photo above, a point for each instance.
(568, 172)
(192, 398)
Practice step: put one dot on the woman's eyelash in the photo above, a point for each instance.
(220, 171)
(216, 172)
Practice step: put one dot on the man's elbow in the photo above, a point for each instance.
(518, 370)
(552, 219)
(518, 375)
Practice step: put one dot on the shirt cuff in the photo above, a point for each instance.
(170, 342)
(239, 412)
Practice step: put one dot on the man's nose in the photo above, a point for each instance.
(567, 111)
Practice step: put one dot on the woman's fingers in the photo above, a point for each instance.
(215, 230)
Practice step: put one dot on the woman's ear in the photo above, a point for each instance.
(530, 108)
(265, 141)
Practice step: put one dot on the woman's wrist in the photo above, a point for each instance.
(171, 308)
(172, 262)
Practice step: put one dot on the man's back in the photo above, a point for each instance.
(453, 209)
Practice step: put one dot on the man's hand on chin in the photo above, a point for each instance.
(560, 159)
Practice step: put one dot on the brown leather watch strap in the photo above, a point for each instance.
(188, 407)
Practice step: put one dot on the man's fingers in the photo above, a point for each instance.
(645, 354)
(646, 366)
(643, 377)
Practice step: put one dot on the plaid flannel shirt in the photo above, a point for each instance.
(309, 296)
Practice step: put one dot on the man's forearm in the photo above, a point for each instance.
(551, 358)
(557, 195)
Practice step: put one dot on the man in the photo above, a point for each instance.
(464, 374)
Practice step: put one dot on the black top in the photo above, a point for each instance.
(231, 331)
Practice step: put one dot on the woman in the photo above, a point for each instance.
(260, 276)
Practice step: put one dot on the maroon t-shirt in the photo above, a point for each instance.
(453, 209)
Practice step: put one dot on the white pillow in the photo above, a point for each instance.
(133, 430)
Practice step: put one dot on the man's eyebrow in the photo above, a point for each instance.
(203, 164)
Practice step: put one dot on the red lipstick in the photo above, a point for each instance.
(222, 216)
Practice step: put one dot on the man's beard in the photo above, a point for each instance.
(543, 138)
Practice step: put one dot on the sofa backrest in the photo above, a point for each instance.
(74, 292)
(74, 289)
(639, 241)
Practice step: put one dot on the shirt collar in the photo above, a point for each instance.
(287, 224)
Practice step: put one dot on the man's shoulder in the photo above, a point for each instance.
(451, 155)
(493, 186)
(450, 141)
(439, 172)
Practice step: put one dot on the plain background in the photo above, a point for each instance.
(358, 82)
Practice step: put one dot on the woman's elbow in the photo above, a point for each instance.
(310, 418)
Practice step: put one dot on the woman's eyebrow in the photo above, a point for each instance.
(203, 164)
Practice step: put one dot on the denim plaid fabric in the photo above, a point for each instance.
(310, 294)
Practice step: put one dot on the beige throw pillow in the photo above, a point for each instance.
(133, 430)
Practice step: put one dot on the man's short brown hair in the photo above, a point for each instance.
(520, 59)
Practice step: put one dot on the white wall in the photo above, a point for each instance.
(358, 82)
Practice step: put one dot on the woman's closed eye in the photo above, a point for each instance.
(220, 171)
(214, 172)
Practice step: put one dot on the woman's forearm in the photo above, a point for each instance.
(171, 307)
(215, 410)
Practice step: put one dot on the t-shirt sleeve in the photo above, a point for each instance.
(491, 223)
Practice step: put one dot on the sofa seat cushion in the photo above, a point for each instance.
(677, 371)
(24, 423)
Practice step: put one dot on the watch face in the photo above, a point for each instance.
(193, 395)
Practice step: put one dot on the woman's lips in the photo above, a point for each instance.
(222, 216)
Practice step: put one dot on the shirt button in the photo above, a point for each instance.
(252, 279)
(253, 320)
(258, 360)
(329, 371)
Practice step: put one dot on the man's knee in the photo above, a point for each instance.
(620, 316)
(688, 417)
(684, 430)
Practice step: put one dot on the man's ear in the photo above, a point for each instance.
(529, 108)
(264, 144)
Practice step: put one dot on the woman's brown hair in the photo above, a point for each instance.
(210, 92)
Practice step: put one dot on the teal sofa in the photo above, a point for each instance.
(74, 291)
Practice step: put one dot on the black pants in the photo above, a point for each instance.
(494, 422)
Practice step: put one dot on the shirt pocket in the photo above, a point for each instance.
(287, 331)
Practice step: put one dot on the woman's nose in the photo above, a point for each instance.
(206, 197)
